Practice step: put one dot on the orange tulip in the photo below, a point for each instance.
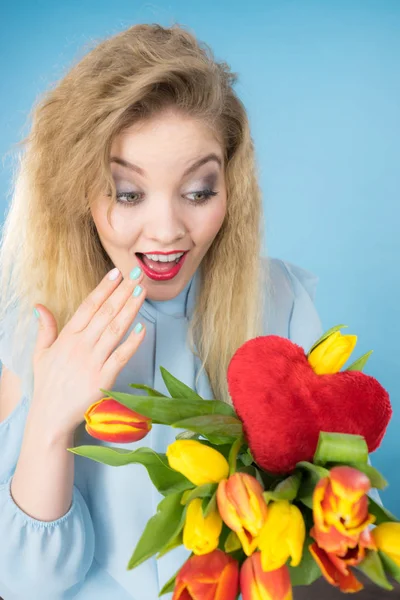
(243, 508)
(110, 421)
(341, 520)
(213, 576)
(256, 584)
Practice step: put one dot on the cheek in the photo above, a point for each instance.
(121, 230)
(208, 226)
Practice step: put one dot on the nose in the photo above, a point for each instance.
(165, 224)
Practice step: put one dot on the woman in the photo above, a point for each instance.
(143, 148)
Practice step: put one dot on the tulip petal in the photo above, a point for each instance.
(201, 534)
(387, 539)
(346, 583)
(255, 584)
(243, 508)
(331, 354)
(228, 585)
(318, 497)
(226, 509)
(207, 577)
(200, 463)
(108, 420)
(348, 482)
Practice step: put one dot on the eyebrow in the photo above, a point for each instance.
(196, 165)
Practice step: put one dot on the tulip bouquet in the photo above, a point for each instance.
(272, 492)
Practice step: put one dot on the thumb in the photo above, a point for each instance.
(48, 331)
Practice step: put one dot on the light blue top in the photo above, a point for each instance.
(84, 554)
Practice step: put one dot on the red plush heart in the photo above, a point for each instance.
(283, 404)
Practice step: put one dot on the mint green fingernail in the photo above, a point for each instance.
(137, 290)
(135, 273)
(138, 328)
(36, 312)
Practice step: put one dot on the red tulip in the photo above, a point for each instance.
(110, 421)
(256, 584)
(213, 576)
(341, 520)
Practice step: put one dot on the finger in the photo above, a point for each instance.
(121, 355)
(106, 318)
(117, 328)
(92, 303)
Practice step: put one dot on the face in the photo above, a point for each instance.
(171, 198)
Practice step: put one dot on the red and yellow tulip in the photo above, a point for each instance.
(340, 509)
(198, 462)
(243, 508)
(282, 536)
(331, 354)
(200, 533)
(341, 520)
(256, 584)
(213, 576)
(387, 539)
(110, 421)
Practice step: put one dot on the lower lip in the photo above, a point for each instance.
(162, 276)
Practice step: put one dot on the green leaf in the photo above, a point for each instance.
(372, 567)
(151, 391)
(163, 527)
(187, 435)
(359, 364)
(308, 570)
(232, 543)
(170, 585)
(166, 411)
(177, 388)
(246, 458)
(319, 472)
(201, 491)
(312, 474)
(340, 447)
(174, 543)
(209, 504)
(390, 566)
(219, 429)
(285, 490)
(233, 454)
(165, 479)
(326, 335)
(381, 513)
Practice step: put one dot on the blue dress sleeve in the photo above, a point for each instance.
(38, 559)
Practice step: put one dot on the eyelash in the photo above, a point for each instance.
(207, 193)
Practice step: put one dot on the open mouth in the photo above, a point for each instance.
(154, 268)
(148, 261)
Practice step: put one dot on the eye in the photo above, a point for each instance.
(128, 198)
(203, 196)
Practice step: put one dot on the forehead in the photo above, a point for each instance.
(167, 138)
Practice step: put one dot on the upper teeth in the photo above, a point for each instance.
(165, 257)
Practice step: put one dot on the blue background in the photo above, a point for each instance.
(321, 82)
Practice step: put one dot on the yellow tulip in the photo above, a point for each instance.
(198, 462)
(282, 536)
(332, 353)
(387, 539)
(201, 534)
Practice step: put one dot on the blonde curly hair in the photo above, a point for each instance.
(50, 251)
